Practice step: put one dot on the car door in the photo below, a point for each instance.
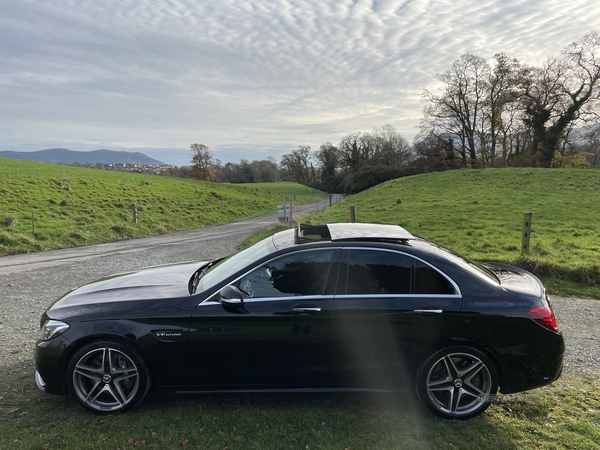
(388, 307)
(277, 336)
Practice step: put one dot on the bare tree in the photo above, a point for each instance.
(560, 93)
(392, 149)
(351, 152)
(328, 157)
(460, 108)
(298, 165)
(501, 95)
(586, 141)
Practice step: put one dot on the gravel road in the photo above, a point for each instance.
(30, 283)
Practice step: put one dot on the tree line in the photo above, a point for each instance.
(508, 113)
(486, 114)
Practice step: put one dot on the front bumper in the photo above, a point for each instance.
(51, 361)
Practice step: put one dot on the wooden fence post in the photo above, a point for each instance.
(290, 218)
(353, 214)
(134, 208)
(526, 233)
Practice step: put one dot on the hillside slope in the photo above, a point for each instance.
(479, 213)
(74, 206)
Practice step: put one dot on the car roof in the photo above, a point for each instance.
(335, 232)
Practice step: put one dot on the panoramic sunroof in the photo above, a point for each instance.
(310, 233)
(349, 231)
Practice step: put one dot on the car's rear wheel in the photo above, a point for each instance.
(107, 377)
(456, 382)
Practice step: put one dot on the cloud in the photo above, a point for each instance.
(248, 74)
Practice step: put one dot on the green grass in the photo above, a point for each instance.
(479, 214)
(74, 206)
(565, 415)
(289, 191)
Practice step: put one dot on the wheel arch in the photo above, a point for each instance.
(128, 340)
(107, 375)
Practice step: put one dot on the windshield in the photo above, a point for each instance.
(230, 265)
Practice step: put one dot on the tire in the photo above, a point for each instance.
(107, 377)
(455, 382)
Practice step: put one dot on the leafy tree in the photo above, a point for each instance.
(202, 163)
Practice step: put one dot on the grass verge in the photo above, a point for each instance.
(565, 415)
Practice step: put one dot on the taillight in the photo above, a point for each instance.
(545, 317)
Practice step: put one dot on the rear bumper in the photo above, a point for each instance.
(534, 366)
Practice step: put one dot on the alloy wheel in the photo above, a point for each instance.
(459, 384)
(105, 379)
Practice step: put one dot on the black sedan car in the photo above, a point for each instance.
(337, 307)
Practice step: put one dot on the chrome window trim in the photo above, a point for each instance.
(305, 250)
(274, 299)
(458, 293)
(392, 296)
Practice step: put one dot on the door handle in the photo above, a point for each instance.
(306, 310)
(428, 311)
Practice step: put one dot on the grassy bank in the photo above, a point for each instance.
(479, 213)
(565, 415)
(74, 206)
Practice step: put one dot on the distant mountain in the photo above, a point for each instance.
(66, 156)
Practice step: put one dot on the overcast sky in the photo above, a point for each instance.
(248, 78)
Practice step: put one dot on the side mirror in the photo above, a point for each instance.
(230, 295)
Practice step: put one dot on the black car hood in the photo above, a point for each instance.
(168, 281)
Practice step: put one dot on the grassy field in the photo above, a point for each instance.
(74, 206)
(565, 415)
(479, 214)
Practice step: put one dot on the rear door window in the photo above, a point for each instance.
(383, 272)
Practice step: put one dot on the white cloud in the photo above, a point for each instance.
(247, 74)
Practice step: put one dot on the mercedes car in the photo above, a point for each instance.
(315, 308)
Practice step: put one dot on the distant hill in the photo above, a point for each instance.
(66, 156)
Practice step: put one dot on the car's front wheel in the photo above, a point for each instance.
(456, 382)
(107, 377)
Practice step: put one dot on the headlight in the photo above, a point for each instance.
(53, 328)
